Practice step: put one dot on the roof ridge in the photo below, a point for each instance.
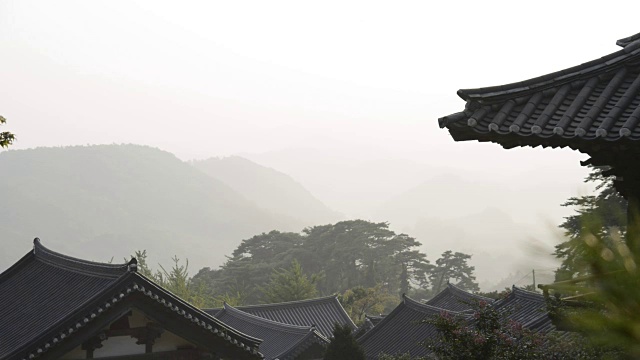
(310, 334)
(467, 293)
(554, 79)
(276, 325)
(136, 282)
(518, 293)
(522, 291)
(286, 303)
(422, 306)
(624, 42)
(67, 262)
(406, 302)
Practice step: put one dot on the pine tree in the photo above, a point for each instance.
(290, 285)
(6, 138)
(343, 346)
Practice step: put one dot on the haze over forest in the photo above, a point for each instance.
(244, 119)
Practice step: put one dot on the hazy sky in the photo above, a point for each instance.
(299, 83)
(363, 79)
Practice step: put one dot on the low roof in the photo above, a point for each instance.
(46, 298)
(594, 103)
(401, 331)
(455, 299)
(526, 307)
(322, 312)
(280, 341)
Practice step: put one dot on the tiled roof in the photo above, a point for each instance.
(322, 312)
(527, 308)
(48, 297)
(455, 299)
(401, 331)
(41, 289)
(596, 102)
(280, 341)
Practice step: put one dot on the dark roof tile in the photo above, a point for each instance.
(523, 306)
(401, 331)
(455, 299)
(280, 341)
(322, 312)
(47, 296)
(595, 101)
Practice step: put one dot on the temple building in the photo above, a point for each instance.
(280, 341)
(593, 108)
(453, 298)
(53, 306)
(526, 308)
(402, 331)
(322, 313)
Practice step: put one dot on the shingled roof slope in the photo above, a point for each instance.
(598, 101)
(47, 297)
(42, 288)
(322, 312)
(455, 299)
(401, 331)
(527, 308)
(280, 341)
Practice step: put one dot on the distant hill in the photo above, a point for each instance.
(269, 189)
(106, 201)
(452, 213)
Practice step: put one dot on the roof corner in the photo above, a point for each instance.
(132, 265)
(624, 42)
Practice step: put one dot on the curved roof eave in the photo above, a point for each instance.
(521, 88)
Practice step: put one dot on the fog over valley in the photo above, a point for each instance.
(183, 129)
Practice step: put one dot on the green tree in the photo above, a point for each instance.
(290, 285)
(359, 301)
(6, 138)
(251, 265)
(176, 280)
(492, 336)
(604, 213)
(453, 266)
(362, 253)
(343, 345)
(143, 266)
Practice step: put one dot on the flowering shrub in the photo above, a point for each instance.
(489, 335)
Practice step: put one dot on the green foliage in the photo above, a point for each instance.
(348, 254)
(360, 301)
(175, 280)
(290, 285)
(359, 252)
(6, 138)
(598, 289)
(606, 304)
(343, 345)
(604, 214)
(491, 336)
(453, 266)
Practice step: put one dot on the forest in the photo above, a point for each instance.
(365, 263)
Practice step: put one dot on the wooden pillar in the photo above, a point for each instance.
(92, 344)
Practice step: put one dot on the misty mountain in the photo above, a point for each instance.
(475, 217)
(269, 189)
(107, 201)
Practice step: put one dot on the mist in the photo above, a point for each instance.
(338, 101)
